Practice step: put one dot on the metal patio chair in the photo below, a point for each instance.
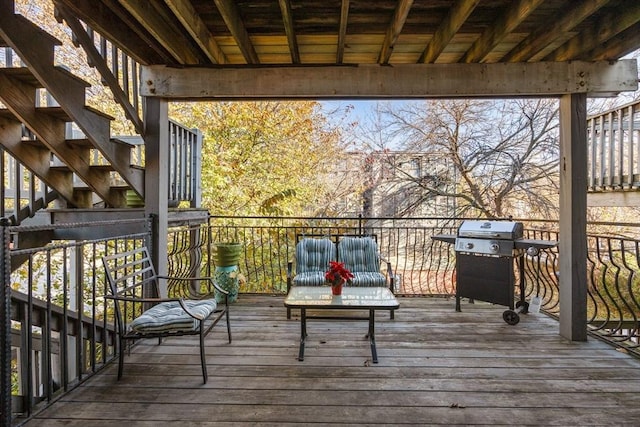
(190, 308)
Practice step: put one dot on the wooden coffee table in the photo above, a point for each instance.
(352, 298)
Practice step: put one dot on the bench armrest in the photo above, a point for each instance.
(391, 277)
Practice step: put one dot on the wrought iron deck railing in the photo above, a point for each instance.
(58, 331)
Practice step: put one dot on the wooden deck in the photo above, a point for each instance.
(436, 367)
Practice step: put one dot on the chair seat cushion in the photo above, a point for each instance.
(309, 278)
(366, 278)
(170, 317)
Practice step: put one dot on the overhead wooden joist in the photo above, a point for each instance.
(229, 11)
(545, 35)
(606, 28)
(449, 26)
(198, 30)
(251, 32)
(506, 23)
(287, 18)
(342, 30)
(394, 30)
(111, 20)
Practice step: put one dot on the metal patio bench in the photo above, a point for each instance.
(359, 254)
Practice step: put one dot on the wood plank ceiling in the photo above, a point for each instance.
(329, 32)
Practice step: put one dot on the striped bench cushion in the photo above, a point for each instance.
(359, 254)
(310, 278)
(313, 255)
(170, 317)
(366, 278)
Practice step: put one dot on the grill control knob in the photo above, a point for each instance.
(468, 245)
(494, 247)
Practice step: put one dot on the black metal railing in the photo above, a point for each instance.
(61, 331)
(424, 267)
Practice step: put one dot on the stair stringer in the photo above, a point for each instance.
(20, 99)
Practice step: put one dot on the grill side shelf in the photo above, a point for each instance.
(448, 238)
(539, 244)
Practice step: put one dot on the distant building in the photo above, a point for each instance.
(399, 184)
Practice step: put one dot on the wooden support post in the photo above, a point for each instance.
(573, 217)
(156, 188)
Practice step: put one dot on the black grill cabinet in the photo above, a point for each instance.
(486, 255)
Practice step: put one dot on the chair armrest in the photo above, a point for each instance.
(131, 299)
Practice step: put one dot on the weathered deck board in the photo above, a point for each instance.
(436, 367)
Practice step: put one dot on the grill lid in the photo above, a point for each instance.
(506, 230)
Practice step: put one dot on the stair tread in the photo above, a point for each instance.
(85, 142)
(95, 167)
(59, 113)
(73, 76)
(102, 167)
(22, 74)
(25, 75)
(41, 33)
(117, 187)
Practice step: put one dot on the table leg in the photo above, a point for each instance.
(372, 335)
(303, 333)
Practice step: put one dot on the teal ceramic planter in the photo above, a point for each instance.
(226, 257)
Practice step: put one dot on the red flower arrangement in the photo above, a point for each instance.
(337, 274)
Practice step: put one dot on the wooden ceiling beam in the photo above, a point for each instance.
(110, 20)
(457, 15)
(342, 30)
(606, 28)
(538, 40)
(188, 16)
(287, 19)
(507, 22)
(151, 15)
(231, 16)
(394, 30)
(402, 81)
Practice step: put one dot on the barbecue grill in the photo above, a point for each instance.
(486, 253)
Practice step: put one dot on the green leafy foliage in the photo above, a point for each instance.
(262, 158)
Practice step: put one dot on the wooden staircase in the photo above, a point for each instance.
(94, 170)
